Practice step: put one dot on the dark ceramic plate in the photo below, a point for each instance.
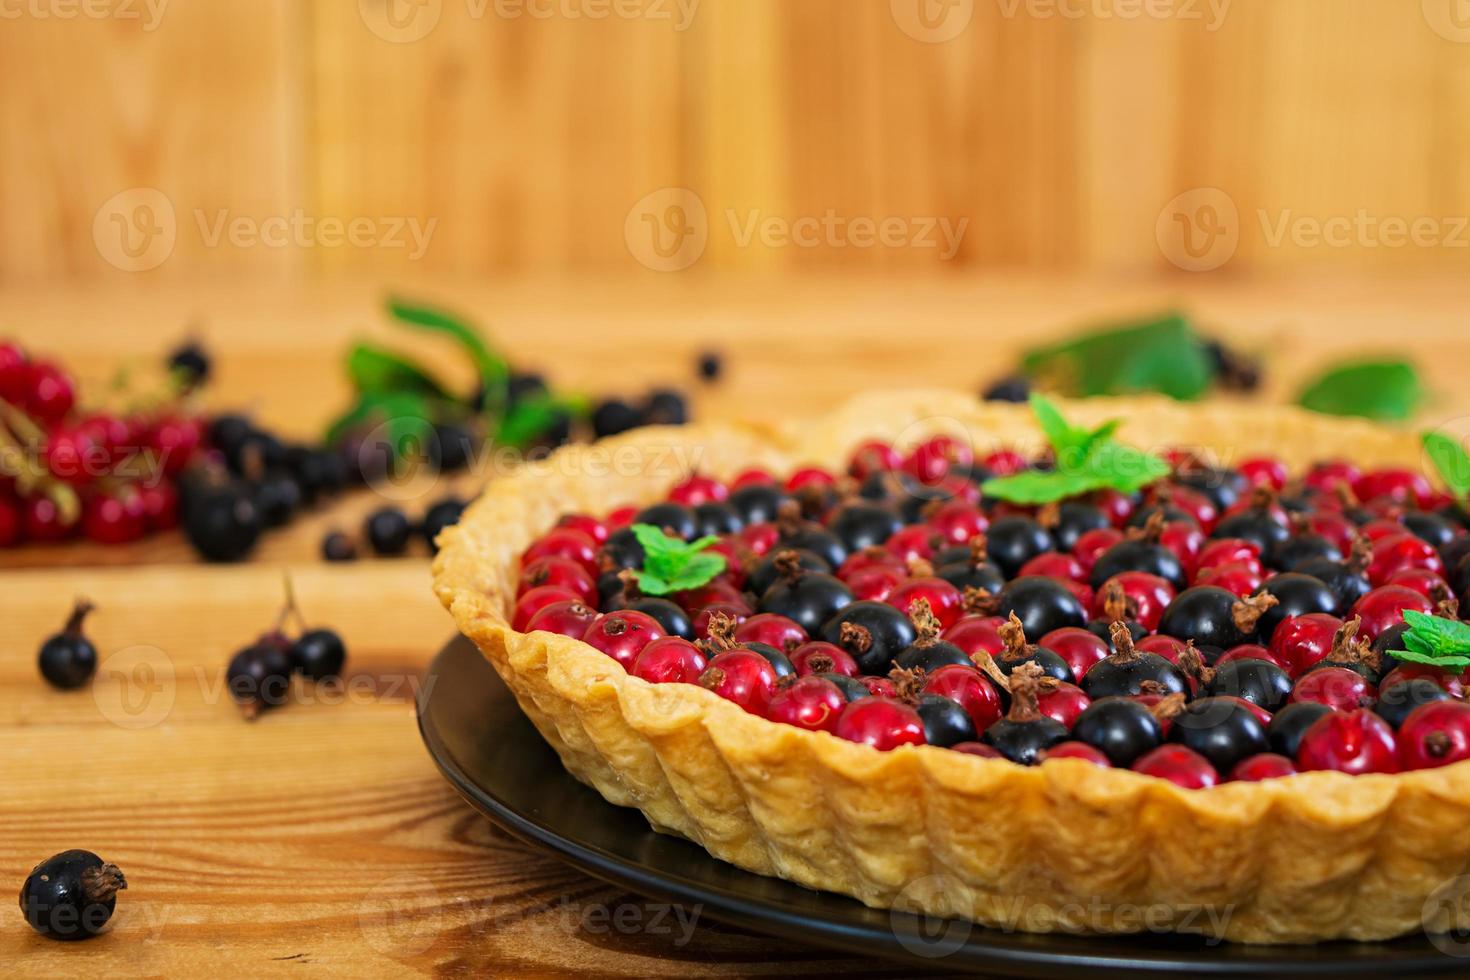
(500, 764)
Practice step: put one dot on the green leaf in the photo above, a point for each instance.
(1380, 390)
(1433, 660)
(672, 565)
(1037, 487)
(492, 368)
(406, 412)
(1450, 461)
(374, 370)
(1162, 355)
(1435, 640)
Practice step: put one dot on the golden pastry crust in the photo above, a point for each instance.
(1065, 846)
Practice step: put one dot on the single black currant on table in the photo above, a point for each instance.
(709, 365)
(808, 598)
(863, 525)
(1290, 723)
(1296, 595)
(68, 659)
(1024, 733)
(674, 519)
(1127, 671)
(764, 573)
(665, 406)
(1042, 604)
(1120, 728)
(717, 518)
(1222, 730)
(441, 514)
(318, 655)
(189, 364)
(1018, 652)
(614, 417)
(259, 675)
(1213, 616)
(874, 633)
(1258, 681)
(71, 895)
(928, 652)
(222, 521)
(1016, 389)
(1396, 701)
(1013, 540)
(388, 530)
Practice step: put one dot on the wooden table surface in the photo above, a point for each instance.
(320, 838)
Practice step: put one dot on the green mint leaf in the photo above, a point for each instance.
(1126, 469)
(493, 370)
(1380, 390)
(1062, 435)
(1163, 355)
(377, 371)
(1034, 487)
(1446, 634)
(1433, 660)
(1450, 461)
(671, 565)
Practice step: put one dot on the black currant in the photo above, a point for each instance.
(1305, 548)
(1257, 681)
(1016, 388)
(813, 539)
(259, 676)
(758, 503)
(1075, 518)
(665, 406)
(1212, 616)
(852, 689)
(1222, 730)
(222, 522)
(71, 895)
(1431, 527)
(277, 497)
(717, 518)
(874, 633)
(456, 446)
(946, 723)
(387, 530)
(1138, 555)
(1254, 524)
(1296, 595)
(674, 519)
(337, 546)
(68, 659)
(613, 417)
(777, 658)
(1120, 728)
(318, 655)
(1222, 487)
(1290, 723)
(809, 598)
(1018, 652)
(1042, 604)
(189, 363)
(1014, 540)
(710, 365)
(928, 652)
(1396, 701)
(764, 573)
(864, 525)
(441, 514)
(1126, 671)
(1346, 584)
(1024, 733)
(622, 549)
(674, 620)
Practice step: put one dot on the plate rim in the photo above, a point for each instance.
(760, 917)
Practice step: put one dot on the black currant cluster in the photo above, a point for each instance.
(256, 482)
(388, 531)
(662, 406)
(259, 675)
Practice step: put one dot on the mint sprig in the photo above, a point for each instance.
(672, 565)
(1086, 460)
(1436, 641)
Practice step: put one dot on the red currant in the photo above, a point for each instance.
(1384, 606)
(1435, 734)
(1264, 471)
(536, 600)
(1354, 742)
(773, 630)
(1179, 765)
(567, 618)
(590, 526)
(1076, 750)
(622, 635)
(564, 542)
(1266, 765)
(829, 656)
(742, 677)
(880, 722)
(555, 570)
(1079, 647)
(811, 703)
(971, 689)
(1064, 702)
(874, 456)
(945, 601)
(699, 490)
(50, 392)
(1301, 641)
(669, 660)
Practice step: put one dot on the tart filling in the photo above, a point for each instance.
(847, 664)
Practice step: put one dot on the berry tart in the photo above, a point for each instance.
(1189, 670)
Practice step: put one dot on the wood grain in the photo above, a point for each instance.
(1057, 130)
(320, 838)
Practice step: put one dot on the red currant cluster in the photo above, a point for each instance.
(65, 471)
(1223, 623)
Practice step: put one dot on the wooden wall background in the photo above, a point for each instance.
(530, 138)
